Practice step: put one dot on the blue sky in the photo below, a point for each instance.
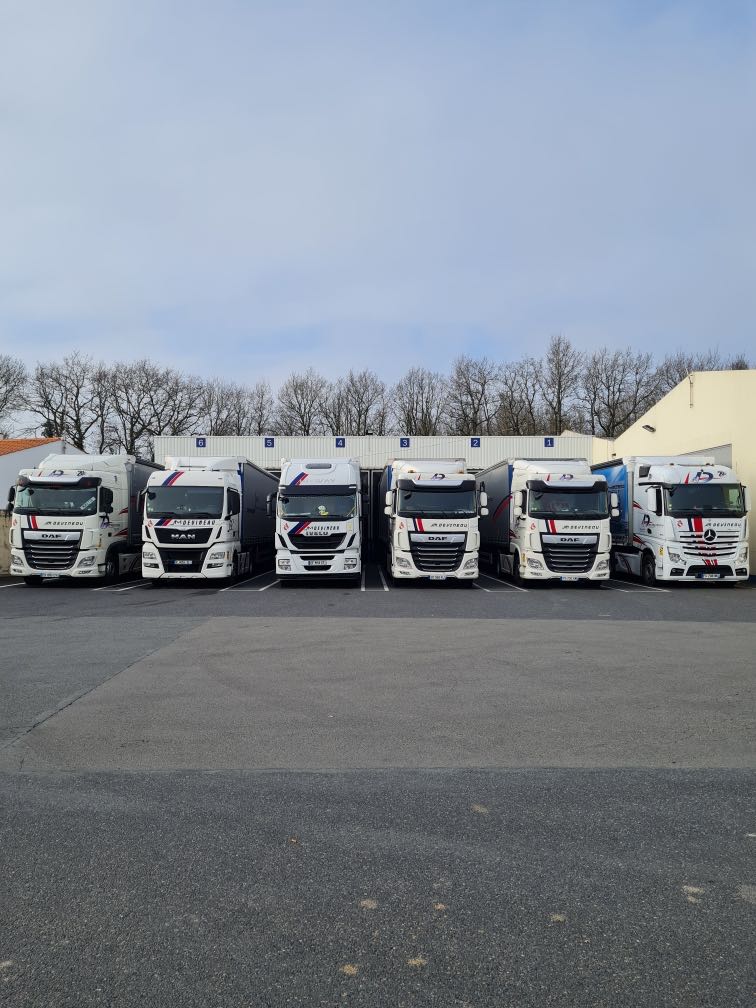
(243, 189)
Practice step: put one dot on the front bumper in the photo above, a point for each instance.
(404, 568)
(290, 564)
(210, 567)
(87, 564)
(725, 570)
(534, 569)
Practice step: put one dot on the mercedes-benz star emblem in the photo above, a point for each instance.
(709, 535)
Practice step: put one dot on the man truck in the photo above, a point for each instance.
(206, 518)
(77, 516)
(318, 511)
(680, 518)
(430, 522)
(549, 520)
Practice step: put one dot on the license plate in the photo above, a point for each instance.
(569, 579)
(437, 577)
(52, 576)
(319, 563)
(709, 577)
(182, 563)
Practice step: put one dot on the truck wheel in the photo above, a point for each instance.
(33, 579)
(497, 567)
(516, 575)
(111, 568)
(648, 570)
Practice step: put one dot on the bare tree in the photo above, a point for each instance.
(558, 379)
(472, 396)
(677, 366)
(519, 410)
(13, 379)
(738, 362)
(420, 403)
(365, 403)
(68, 397)
(299, 409)
(617, 387)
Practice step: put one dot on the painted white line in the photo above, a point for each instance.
(626, 591)
(505, 585)
(102, 587)
(139, 584)
(265, 587)
(489, 590)
(17, 585)
(637, 587)
(383, 579)
(362, 580)
(238, 584)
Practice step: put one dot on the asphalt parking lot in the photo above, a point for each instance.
(327, 795)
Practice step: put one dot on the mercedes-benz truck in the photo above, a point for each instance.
(318, 510)
(207, 518)
(77, 516)
(430, 521)
(549, 520)
(680, 518)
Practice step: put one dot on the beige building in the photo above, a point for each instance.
(711, 413)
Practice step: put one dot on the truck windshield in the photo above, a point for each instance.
(185, 502)
(687, 499)
(437, 503)
(55, 499)
(334, 507)
(569, 504)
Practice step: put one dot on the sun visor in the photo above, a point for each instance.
(314, 490)
(560, 486)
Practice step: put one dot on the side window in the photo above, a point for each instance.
(234, 504)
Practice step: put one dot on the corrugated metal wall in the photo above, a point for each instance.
(375, 452)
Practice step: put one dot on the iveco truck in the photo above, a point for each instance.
(318, 510)
(680, 518)
(77, 516)
(206, 518)
(430, 522)
(549, 520)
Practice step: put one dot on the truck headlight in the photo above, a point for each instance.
(86, 561)
(218, 556)
(350, 562)
(535, 564)
(284, 564)
(743, 555)
(401, 562)
(16, 561)
(602, 565)
(472, 562)
(674, 557)
(149, 554)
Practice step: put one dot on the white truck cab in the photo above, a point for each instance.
(318, 509)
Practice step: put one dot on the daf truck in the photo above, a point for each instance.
(77, 516)
(206, 518)
(549, 520)
(430, 521)
(318, 509)
(680, 518)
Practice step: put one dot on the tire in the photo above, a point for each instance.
(648, 570)
(516, 576)
(33, 579)
(498, 570)
(111, 568)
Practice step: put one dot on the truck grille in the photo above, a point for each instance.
(569, 557)
(183, 561)
(437, 557)
(695, 546)
(304, 544)
(189, 536)
(51, 554)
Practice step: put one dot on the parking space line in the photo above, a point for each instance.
(102, 587)
(16, 585)
(139, 584)
(489, 590)
(238, 584)
(640, 588)
(506, 585)
(265, 587)
(383, 579)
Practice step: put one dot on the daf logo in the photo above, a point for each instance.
(570, 539)
(50, 535)
(436, 538)
(709, 535)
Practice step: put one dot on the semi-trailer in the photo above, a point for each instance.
(680, 518)
(430, 522)
(206, 518)
(548, 521)
(78, 516)
(318, 510)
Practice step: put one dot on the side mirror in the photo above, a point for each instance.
(747, 498)
(387, 510)
(269, 505)
(106, 500)
(614, 500)
(387, 501)
(12, 494)
(615, 512)
(652, 500)
(483, 512)
(483, 498)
